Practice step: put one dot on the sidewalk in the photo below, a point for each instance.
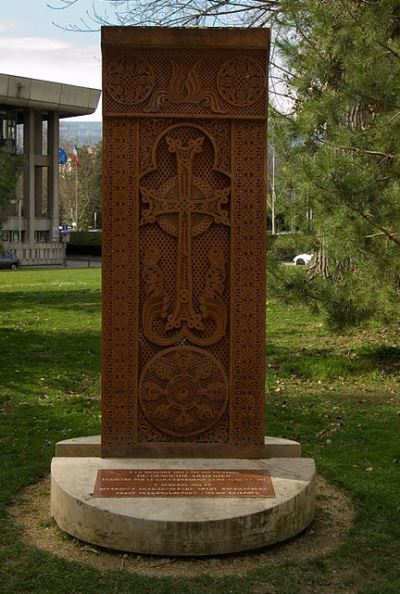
(84, 262)
(76, 262)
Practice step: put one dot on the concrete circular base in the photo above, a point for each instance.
(182, 525)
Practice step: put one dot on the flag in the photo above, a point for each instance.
(62, 156)
(75, 155)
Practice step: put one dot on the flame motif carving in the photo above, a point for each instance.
(173, 206)
(185, 88)
(183, 391)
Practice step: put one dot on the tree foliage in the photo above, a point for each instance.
(171, 13)
(80, 189)
(336, 71)
(342, 152)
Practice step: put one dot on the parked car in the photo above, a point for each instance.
(8, 260)
(302, 259)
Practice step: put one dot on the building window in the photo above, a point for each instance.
(4, 235)
(8, 136)
(41, 236)
(15, 236)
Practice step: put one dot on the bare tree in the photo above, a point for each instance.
(173, 13)
(190, 13)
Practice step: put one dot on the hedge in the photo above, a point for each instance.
(84, 243)
(284, 247)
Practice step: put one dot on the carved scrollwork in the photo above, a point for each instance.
(211, 301)
(241, 81)
(183, 391)
(131, 81)
(157, 301)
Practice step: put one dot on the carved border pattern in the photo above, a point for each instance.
(131, 81)
(120, 286)
(241, 81)
(191, 83)
(248, 296)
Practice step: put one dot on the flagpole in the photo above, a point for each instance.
(76, 196)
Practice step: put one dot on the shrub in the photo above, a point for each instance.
(84, 243)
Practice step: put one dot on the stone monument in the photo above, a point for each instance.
(183, 466)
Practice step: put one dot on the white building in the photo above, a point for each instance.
(30, 111)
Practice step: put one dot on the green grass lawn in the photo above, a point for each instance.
(338, 395)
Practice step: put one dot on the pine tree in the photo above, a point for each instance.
(339, 65)
(342, 147)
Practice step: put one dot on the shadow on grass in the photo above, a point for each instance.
(327, 365)
(49, 391)
(29, 433)
(382, 355)
(87, 299)
(33, 360)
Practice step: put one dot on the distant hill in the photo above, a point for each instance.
(80, 133)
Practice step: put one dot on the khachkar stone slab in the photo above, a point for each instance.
(184, 469)
(184, 196)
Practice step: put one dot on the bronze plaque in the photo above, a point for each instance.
(183, 483)
(184, 199)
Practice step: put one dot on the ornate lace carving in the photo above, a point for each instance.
(212, 305)
(120, 292)
(131, 80)
(157, 301)
(241, 81)
(184, 206)
(183, 262)
(183, 391)
(248, 285)
(185, 88)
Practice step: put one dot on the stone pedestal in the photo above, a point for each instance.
(182, 526)
(90, 447)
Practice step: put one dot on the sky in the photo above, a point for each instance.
(32, 46)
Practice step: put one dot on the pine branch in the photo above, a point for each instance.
(389, 121)
(365, 151)
(389, 49)
(283, 69)
(377, 41)
(368, 218)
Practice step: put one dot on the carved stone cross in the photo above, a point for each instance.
(186, 200)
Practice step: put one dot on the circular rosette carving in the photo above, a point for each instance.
(131, 80)
(183, 391)
(241, 81)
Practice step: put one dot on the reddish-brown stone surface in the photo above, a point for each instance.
(184, 195)
(183, 483)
